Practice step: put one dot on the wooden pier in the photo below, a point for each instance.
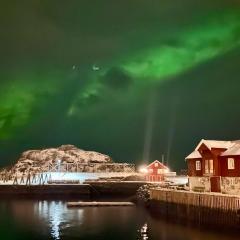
(99, 204)
(200, 208)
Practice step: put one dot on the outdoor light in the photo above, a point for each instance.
(167, 170)
(143, 169)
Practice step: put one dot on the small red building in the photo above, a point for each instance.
(215, 166)
(156, 171)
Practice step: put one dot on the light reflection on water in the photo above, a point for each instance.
(144, 232)
(58, 217)
(53, 220)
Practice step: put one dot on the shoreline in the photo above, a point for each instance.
(87, 189)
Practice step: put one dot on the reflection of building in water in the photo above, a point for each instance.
(55, 213)
(143, 232)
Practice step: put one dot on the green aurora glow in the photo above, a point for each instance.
(43, 87)
(194, 46)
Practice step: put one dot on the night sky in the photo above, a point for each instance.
(134, 79)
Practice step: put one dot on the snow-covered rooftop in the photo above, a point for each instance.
(233, 151)
(216, 144)
(232, 148)
(194, 155)
(160, 164)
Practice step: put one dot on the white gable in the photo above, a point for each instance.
(215, 144)
(159, 163)
(194, 155)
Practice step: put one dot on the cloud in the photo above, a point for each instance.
(116, 78)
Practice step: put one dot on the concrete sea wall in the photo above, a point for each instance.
(229, 185)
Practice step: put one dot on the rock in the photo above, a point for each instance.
(134, 178)
(36, 160)
(143, 193)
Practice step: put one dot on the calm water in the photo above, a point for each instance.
(31, 219)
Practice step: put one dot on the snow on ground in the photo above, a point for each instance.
(70, 176)
(85, 176)
(178, 180)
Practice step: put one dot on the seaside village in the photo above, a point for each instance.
(68, 164)
(213, 166)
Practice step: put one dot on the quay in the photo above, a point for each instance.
(88, 188)
(212, 209)
(44, 190)
(108, 188)
(99, 204)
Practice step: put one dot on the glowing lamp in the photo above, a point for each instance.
(167, 170)
(143, 169)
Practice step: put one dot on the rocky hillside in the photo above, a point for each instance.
(33, 160)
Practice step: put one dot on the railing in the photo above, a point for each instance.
(92, 167)
(41, 175)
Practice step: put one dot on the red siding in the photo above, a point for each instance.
(211, 154)
(225, 172)
(155, 168)
(207, 154)
(153, 174)
(192, 168)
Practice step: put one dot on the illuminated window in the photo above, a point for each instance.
(231, 163)
(160, 171)
(209, 166)
(198, 165)
(206, 166)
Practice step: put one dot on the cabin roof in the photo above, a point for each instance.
(216, 144)
(233, 151)
(194, 155)
(161, 164)
(232, 148)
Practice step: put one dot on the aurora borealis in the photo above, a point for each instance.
(87, 73)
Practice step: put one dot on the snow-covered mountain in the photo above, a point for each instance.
(34, 160)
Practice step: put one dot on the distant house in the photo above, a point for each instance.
(156, 171)
(214, 166)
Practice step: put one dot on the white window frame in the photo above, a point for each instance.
(198, 165)
(231, 163)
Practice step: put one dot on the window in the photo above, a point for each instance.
(206, 166)
(156, 164)
(231, 163)
(198, 165)
(150, 170)
(160, 171)
(209, 166)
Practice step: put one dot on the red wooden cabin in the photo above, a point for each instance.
(156, 171)
(216, 160)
